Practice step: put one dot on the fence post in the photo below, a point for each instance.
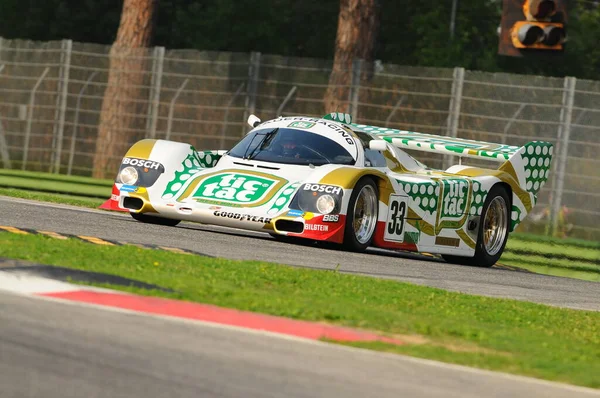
(157, 70)
(285, 101)
(454, 110)
(511, 121)
(30, 118)
(3, 145)
(564, 132)
(400, 101)
(354, 94)
(172, 106)
(76, 122)
(253, 73)
(226, 116)
(63, 81)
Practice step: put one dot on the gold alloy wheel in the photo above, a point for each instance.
(365, 214)
(495, 226)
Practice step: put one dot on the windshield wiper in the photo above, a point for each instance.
(261, 145)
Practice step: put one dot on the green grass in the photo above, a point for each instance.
(553, 251)
(527, 237)
(52, 186)
(74, 200)
(34, 175)
(506, 335)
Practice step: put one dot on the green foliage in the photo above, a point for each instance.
(412, 32)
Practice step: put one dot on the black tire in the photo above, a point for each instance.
(351, 242)
(155, 219)
(482, 257)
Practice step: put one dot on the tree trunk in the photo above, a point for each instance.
(358, 23)
(118, 124)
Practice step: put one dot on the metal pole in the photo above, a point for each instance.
(400, 101)
(253, 74)
(565, 131)
(285, 101)
(157, 72)
(355, 88)
(4, 149)
(64, 84)
(224, 128)
(453, 18)
(30, 118)
(2, 67)
(171, 106)
(76, 122)
(454, 112)
(510, 122)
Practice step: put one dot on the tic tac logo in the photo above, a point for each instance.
(234, 188)
(149, 164)
(323, 188)
(456, 195)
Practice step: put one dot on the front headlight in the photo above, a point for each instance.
(128, 175)
(325, 204)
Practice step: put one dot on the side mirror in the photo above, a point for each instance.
(378, 145)
(253, 121)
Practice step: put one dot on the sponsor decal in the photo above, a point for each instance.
(323, 188)
(334, 126)
(128, 188)
(454, 199)
(214, 208)
(301, 125)
(114, 197)
(442, 241)
(242, 217)
(295, 213)
(316, 227)
(396, 219)
(149, 164)
(234, 188)
(331, 218)
(411, 237)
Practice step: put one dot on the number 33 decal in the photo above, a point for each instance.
(397, 212)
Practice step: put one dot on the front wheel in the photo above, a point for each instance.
(361, 218)
(154, 219)
(493, 231)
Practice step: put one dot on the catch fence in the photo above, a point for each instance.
(51, 98)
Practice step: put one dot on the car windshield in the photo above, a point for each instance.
(291, 146)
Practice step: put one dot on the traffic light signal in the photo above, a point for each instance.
(532, 25)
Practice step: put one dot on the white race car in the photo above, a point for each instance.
(328, 179)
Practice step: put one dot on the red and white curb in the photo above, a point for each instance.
(29, 284)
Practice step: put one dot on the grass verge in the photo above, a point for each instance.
(505, 335)
(74, 200)
(54, 186)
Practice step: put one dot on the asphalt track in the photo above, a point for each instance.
(57, 350)
(237, 244)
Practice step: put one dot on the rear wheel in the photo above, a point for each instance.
(493, 231)
(154, 219)
(361, 218)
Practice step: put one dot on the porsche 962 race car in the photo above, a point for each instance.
(329, 179)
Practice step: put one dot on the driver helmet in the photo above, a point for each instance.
(288, 146)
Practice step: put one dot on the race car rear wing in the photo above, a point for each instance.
(529, 165)
(439, 144)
